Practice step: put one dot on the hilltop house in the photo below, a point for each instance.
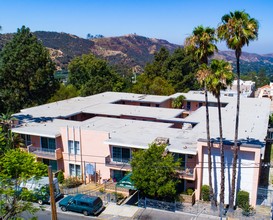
(96, 135)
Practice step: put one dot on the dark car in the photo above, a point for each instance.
(88, 205)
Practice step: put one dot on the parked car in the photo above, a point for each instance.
(88, 205)
(40, 189)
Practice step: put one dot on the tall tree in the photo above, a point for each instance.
(155, 86)
(91, 75)
(176, 71)
(64, 92)
(220, 78)
(155, 68)
(153, 172)
(26, 73)
(179, 69)
(202, 44)
(237, 29)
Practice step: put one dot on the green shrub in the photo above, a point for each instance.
(71, 182)
(189, 191)
(205, 193)
(60, 177)
(243, 199)
(119, 195)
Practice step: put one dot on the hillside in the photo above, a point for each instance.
(125, 52)
(249, 61)
(128, 52)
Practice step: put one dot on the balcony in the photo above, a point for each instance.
(51, 154)
(121, 164)
(187, 174)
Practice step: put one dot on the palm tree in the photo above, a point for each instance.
(237, 29)
(219, 78)
(202, 44)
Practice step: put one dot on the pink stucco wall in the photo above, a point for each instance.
(93, 149)
(254, 177)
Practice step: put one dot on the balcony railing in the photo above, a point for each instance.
(53, 154)
(187, 174)
(120, 163)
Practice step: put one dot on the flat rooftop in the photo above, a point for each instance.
(254, 115)
(103, 104)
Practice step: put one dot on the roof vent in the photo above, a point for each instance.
(161, 140)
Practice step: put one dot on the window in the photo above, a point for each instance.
(74, 147)
(121, 154)
(189, 105)
(77, 147)
(74, 170)
(84, 204)
(144, 104)
(70, 147)
(27, 139)
(180, 157)
(200, 104)
(48, 143)
(52, 163)
(118, 175)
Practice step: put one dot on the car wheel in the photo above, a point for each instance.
(40, 202)
(85, 212)
(63, 208)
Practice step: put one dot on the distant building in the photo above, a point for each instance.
(265, 91)
(247, 89)
(96, 136)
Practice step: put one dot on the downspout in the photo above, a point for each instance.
(80, 144)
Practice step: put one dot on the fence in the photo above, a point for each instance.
(106, 197)
(197, 209)
(177, 206)
(112, 187)
(265, 196)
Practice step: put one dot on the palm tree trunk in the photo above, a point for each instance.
(235, 149)
(222, 156)
(212, 197)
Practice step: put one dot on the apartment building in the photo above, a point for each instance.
(95, 136)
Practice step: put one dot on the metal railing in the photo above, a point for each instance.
(45, 152)
(188, 173)
(41, 150)
(117, 162)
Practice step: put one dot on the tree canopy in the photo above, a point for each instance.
(172, 72)
(16, 166)
(64, 92)
(16, 163)
(26, 73)
(91, 75)
(153, 172)
(178, 101)
(220, 78)
(202, 43)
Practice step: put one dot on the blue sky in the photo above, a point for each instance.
(172, 20)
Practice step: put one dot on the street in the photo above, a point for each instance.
(141, 214)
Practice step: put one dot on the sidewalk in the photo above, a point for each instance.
(119, 212)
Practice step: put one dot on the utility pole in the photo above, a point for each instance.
(52, 197)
